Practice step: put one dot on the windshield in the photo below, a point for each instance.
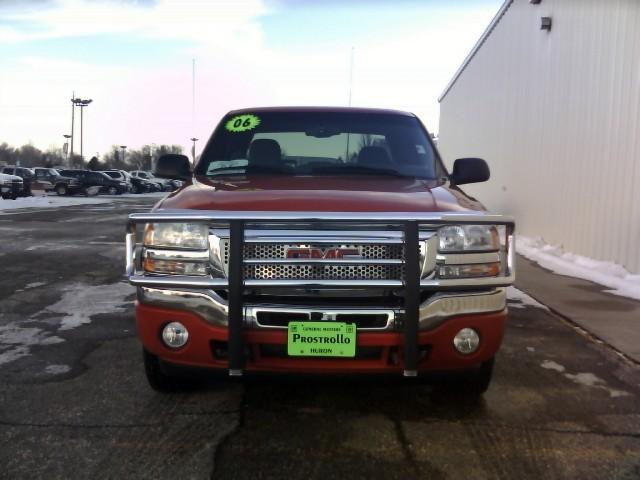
(320, 143)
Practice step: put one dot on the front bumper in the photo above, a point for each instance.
(214, 310)
(265, 349)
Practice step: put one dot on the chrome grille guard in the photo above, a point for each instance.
(409, 223)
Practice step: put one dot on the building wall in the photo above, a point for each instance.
(557, 116)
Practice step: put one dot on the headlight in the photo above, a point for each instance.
(462, 238)
(191, 236)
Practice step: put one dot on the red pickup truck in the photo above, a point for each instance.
(320, 240)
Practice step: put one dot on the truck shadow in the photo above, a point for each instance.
(395, 397)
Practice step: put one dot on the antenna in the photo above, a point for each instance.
(346, 153)
(193, 96)
(351, 76)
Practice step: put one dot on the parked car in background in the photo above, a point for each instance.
(91, 179)
(140, 185)
(27, 175)
(11, 186)
(59, 184)
(165, 185)
(119, 176)
(176, 184)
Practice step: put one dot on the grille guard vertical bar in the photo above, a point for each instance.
(130, 248)
(236, 290)
(411, 298)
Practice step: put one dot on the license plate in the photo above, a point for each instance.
(321, 339)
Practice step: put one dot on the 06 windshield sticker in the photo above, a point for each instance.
(242, 123)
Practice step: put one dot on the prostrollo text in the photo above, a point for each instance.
(339, 338)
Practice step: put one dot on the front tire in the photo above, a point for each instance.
(473, 383)
(61, 190)
(112, 191)
(158, 379)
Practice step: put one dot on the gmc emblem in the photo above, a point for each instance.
(325, 254)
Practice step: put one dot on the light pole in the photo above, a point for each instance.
(81, 103)
(193, 149)
(153, 152)
(124, 148)
(73, 111)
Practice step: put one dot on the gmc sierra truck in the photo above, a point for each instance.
(320, 240)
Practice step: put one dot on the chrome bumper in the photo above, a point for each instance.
(433, 312)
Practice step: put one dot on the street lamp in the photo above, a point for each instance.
(124, 148)
(66, 146)
(81, 103)
(193, 149)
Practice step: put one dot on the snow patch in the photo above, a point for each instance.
(13, 353)
(519, 299)
(57, 369)
(34, 285)
(80, 302)
(551, 365)
(554, 258)
(15, 341)
(48, 202)
(584, 378)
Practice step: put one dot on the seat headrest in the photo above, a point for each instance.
(264, 151)
(373, 157)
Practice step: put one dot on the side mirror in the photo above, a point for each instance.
(469, 170)
(173, 166)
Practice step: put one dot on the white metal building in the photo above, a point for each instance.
(550, 97)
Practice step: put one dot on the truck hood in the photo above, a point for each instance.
(329, 194)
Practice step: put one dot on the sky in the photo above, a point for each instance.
(134, 59)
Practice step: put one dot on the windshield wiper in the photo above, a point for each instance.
(355, 169)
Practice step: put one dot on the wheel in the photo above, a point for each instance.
(135, 189)
(61, 189)
(473, 383)
(112, 191)
(159, 380)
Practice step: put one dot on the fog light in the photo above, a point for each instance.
(175, 335)
(466, 341)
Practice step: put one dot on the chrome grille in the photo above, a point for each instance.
(278, 251)
(328, 272)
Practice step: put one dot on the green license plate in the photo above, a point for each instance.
(321, 339)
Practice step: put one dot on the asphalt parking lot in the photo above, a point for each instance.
(74, 402)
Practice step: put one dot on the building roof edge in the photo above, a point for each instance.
(496, 19)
